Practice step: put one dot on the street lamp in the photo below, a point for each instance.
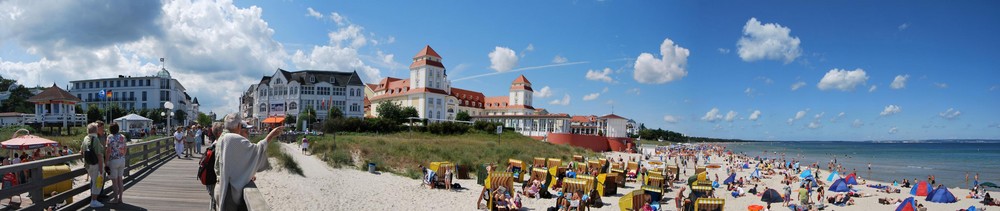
(169, 106)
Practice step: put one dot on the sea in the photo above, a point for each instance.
(947, 160)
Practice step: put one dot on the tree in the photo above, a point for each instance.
(307, 116)
(204, 120)
(290, 120)
(463, 116)
(79, 109)
(114, 111)
(180, 116)
(93, 113)
(390, 111)
(155, 116)
(334, 113)
(18, 100)
(409, 111)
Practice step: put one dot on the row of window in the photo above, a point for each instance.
(342, 105)
(115, 95)
(112, 83)
(309, 90)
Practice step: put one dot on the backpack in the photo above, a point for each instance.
(206, 167)
(89, 155)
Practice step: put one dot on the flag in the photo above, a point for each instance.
(161, 59)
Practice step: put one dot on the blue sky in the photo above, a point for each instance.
(809, 70)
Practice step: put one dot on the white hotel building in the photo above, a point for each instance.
(288, 93)
(135, 93)
(430, 92)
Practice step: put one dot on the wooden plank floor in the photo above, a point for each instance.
(172, 186)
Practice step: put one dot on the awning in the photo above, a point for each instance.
(274, 120)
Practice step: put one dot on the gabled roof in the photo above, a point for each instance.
(427, 51)
(612, 116)
(521, 79)
(423, 62)
(590, 118)
(53, 93)
(265, 80)
(195, 100)
(310, 77)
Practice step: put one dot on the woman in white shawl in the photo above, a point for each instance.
(237, 160)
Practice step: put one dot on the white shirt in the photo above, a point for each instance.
(178, 136)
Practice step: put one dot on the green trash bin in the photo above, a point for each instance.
(481, 175)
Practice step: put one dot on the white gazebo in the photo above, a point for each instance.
(133, 123)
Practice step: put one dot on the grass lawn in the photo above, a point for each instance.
(402, 152)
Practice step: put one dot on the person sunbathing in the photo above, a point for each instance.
(888, 200)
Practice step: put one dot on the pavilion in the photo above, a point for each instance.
(56, 107)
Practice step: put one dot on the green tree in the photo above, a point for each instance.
(334, 113)
(408, 112)
(79, 109)
(93, 113)
(18, 100)
(290, 120)
(180, 116)
(463, 116)
(204, 120)
(114, 111)
(307, 116)
(390, 111)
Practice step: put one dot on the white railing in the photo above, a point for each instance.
(31, 118)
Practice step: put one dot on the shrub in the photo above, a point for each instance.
(447, 128)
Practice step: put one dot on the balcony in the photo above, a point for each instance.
(113, 99)
(53, 118)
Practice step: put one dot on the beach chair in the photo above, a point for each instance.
(631, 171)
(538, 162)
(655, 194)
(655, 180)
(440, 168)
(709, 204)
(577, 158)
(593, 164)
(699, 169)
(638, 199)
(606, 184)
(698, 191)
(553, 162)
(541, 174)
(554, 173)
(619, 172)
(496, 180)
(580, 168)
(674, 171)
(576, 184)
(518, 168)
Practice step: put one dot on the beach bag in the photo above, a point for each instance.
(206, 167)
(90, 156)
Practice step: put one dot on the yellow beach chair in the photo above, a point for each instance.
(580, 168)
(619, 172)
(538, 162)
(699, 169)
(606, 184)
(631, 171)
(573, 185)
(593, 164)
(655, 180)
(633, 201)
(709, 204)
(494, 181)
(578, 158)
(519, 168)
(541, 174)
(554, 162)
(440, 168)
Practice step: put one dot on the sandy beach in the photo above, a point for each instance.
(325, 188)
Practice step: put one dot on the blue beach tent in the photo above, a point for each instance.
(806, 173)
(941, 195)
(907, 205)
(832, 176)
(810, 180)
(731, 179)
(839, 186)
(746, 165)
(851, 179)
(755, 174)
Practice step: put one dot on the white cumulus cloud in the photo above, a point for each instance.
(670, 119)
(672, 66)
(591, 96)
(503, 59)
(755, 115)
(712, 115)
(857, 123)
(731, 115)
(950, 114)
(600, 75)
(814, 125)
(842, 80)
(767, 41)
(559, 59)
(564, 101)
(313, 13)
(890, 110)
(873, 88)
(798, 85)
(544, 92)
(899, 82)
(893, 130)
(798, 115)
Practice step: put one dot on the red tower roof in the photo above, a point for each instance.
(522, 79)
(427, 51)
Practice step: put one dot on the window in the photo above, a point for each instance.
(144, 97)
(90, 96)
(308, 90)
(355, 107)
(338, 91)
(105, 84)
(133, 82)
(131, 96)
(322, 90)
(263, 108)
(352, 92)
(79, 96)
(143, 105)
(148, 82)
(119, 83)
(340, 105)
(293, 106)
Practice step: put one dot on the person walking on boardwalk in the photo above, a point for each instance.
(189, 142)
(238, 160)
(93, 151)
(199, 136)
(179, 141)
(115, 155)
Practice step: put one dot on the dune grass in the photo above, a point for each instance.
(285, 161)
(401, 153)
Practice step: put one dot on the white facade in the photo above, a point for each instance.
(135, 93)
(288, 93)
(616, 128)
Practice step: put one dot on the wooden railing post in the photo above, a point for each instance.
(36, 177)
(145, 155)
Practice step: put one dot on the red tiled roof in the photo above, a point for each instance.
(612, 116)
(427, 51)
(590, 118)
(496, 102)
(372, 86)
(521, 87)
(529, 115)
(54, 93)
(423, 62)
(468, 98)
(521, 79)
(390, 82)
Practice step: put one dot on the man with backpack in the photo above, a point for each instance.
(206, 167)
(93, 154)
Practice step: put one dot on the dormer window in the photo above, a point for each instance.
(312, 79)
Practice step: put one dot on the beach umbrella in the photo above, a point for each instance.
(989, 184)
(941, 195)
(746, 165)
(851, 179)
(839, 186)
(832, 176)
(907, 205)
(731, 179)
(922, 188)
(771, 196)
(809, 180)
(26, 142)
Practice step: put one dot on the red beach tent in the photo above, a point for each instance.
(922, 188)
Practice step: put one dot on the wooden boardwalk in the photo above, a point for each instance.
(171, 186)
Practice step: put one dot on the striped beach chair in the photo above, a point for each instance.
(496, 180)
(709, 204)
(518, 169)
